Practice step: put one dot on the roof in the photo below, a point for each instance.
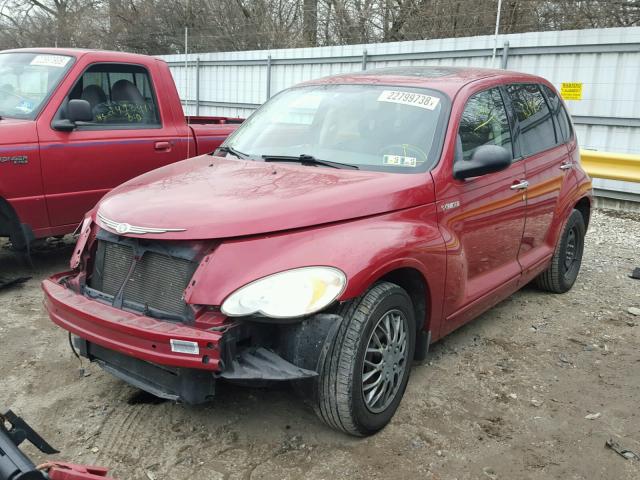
(79, 52)
(444, 78)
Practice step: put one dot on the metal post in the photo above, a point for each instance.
(495, 35)
(268, 77)
(505, 55)
(364, 59)
(197, 86)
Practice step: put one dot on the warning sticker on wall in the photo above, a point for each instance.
(571, 90)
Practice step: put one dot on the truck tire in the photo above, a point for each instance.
(566, 260)
(365, 372)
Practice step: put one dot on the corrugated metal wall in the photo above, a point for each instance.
(605, 61)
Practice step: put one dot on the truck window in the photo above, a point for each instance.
(559, 114)
(119, 95)
(484, 122)
(27, 80)
(536, 126)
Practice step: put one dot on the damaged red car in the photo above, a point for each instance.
(344, 227)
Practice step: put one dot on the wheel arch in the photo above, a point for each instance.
(415, 284)
(584, 207)
(11, 227)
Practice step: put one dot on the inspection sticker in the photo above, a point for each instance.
(571, 90)
(409, 98)
(58, 61)
(399, 161)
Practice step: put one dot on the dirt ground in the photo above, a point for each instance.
(503, 398)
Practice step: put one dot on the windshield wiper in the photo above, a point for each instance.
(305, 159)
(232, 151)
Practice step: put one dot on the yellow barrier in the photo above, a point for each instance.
(611, 166)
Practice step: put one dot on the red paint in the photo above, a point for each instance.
(68, 172)
(73, 471)
(264, 218)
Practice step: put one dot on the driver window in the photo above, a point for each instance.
(119, 95)
(484, 122)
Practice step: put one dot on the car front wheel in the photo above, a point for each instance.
(364, 375)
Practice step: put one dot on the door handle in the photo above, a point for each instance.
(162, 146)
(566, 166)
(520, 186)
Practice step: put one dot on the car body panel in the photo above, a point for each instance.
(20, 179)
(254, 197)
(365, 250)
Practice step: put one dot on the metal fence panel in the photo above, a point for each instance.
(605, 61)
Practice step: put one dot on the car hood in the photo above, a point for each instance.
(212, 197)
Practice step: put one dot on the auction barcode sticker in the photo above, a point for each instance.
(50, 61)
(409, 98)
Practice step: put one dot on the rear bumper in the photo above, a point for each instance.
(131, 334)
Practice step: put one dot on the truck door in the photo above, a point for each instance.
(482, 218)
(131, 133)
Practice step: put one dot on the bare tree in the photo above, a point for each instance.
(157, 26)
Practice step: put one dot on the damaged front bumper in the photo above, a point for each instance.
(142, 350)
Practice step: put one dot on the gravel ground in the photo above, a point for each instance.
(530, 390)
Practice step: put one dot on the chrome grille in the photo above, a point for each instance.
(156, 285)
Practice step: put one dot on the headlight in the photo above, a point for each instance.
(292, 293)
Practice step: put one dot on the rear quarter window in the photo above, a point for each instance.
(560, 115)
(536, 125)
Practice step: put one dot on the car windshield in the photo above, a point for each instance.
(27, 80)
(385, 128)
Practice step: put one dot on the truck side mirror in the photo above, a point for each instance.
(485, 159)
(78, 110)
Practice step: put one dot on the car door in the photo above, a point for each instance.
(482, 218)
(541, 143)
(129, 135)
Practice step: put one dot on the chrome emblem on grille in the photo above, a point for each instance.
(123, 228)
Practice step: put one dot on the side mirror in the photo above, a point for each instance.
(485, 159)
(78, 110)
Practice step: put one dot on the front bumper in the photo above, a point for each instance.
(138, 350)
(129, 333)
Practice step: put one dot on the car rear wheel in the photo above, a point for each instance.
(566, 261)
(364, 375)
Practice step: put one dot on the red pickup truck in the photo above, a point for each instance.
(350, 223)
(76, 123)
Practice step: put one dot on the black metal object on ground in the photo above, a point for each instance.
(12, 281)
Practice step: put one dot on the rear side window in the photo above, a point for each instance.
(531, 110)
(559, 114)
(120, 96)
(484, 122)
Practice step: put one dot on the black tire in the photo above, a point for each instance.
(338, 394)
(566, 261)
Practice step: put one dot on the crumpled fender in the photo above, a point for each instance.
(364, 249)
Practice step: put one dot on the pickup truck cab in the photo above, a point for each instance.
(345, 226)
(76, 123)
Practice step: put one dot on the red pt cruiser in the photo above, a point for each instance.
(345, 226)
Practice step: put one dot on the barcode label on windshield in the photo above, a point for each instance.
(409, 98)
(50, 61)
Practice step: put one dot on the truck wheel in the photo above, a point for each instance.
(566, 261)
(365, 372)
